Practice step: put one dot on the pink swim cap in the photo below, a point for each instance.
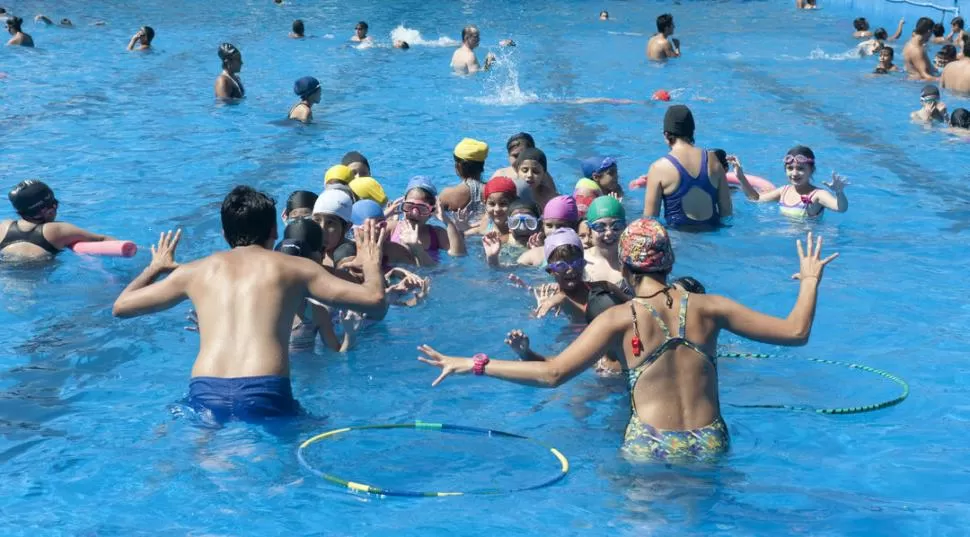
(561, 208)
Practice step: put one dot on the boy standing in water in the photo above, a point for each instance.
(661, 46)
(246, 300)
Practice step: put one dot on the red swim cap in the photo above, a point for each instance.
(499, 185)
(661, 95)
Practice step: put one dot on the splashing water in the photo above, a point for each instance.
(819, 54)
(413, 38)
(502, 85)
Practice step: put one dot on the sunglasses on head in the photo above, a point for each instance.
(561, 267)
(419, 208)
(798, 159)
(523, 221)
(601, 227)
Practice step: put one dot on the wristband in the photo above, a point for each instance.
(481, 360)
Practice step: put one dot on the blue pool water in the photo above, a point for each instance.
(133, 144)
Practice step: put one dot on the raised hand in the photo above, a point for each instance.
(462, 219)
(536, 240)
(492, 243)
(409, 233)
(838, 183)
(733, 160)
(518, 342)
(163, 254)
(393, 207)
(810, 261)
(547, 297)
(370, 243)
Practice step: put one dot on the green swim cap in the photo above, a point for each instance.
(605, 207)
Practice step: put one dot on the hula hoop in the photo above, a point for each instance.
(442, 427)
(904, 386)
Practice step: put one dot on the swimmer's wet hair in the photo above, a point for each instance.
(948, 53)
(664, 21)
(924, 26)
(601, 298)
(531, 153)
(15, 23)
(804, 151)
(301, 199)
(149, 33)
(938, 30)
(881, 34)
(469, 168)
(226, 52)
(958, 22)
(298, 27)
(470, 29)
(690, 285)
(519, 206)
(861, 24)
(960, 118)
(248, 217)
(966, 45)
(363, 24)
(520, 139)
(564, 252)
(405, 45)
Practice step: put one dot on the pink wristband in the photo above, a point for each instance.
(481, 360)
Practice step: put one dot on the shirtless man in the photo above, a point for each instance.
(661, 46)
(143, 38)
(464, 61)
(360, 33)
(706, 199)
(915, 58)
(35, 235)
(246, 300)
(956, 75)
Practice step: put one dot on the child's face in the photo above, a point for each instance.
(606, 231)
(417, 207)
(522, 231)
(585, 235)
(333, 230)
(497, 207)
(608, 177)
(551, 224)
(531, 172)
(799, 174)
(884, 56)
(567, 269)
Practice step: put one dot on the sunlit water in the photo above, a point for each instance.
(134, 144)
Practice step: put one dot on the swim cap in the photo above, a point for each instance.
(227, 50)
(307, 232)
(930, 91)
(691, 285)
(339, 173)
(31, 196)
(424, 183)
(605, 207)
(597, 165)
(601, 298)
(336, 203)
(661, 95)
(367, 188)
(352, 157)
(301, 199)
(294, 247)
(531, 153)
(305, 86)
(587, 184)
(473, 150)
(561, 237)
(960, 118)
(364, 210)
(561, 208)
(645, 247)
(679, 121)
(500, 185)
(341, 187)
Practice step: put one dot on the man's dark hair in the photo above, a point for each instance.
(966, 45)
(469, 168)
(664, 21)
(892, 53)
(958, 22)
(521, 139)
(248, 217)
(924, 26)
(149, 33)
(363, 25)
(881, 34)
(861, 24)
(298, 27)
(938, 30)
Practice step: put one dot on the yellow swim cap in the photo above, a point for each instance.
(472, 150)
(587, 184)
(367, 188)
(338, 173)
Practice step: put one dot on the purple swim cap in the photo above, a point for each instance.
(561, 237)
(561, 208)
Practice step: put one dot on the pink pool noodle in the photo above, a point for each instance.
(106, 248)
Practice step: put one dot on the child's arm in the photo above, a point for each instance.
(454, 240)
(321, 318)
(899, 30)
(837, 202)
(351, 321)
(749, 191)
(519, 342)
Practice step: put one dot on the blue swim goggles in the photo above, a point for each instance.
(600, 227)
(520, 221)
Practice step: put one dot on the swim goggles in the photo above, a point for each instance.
(526, 221)
(600, 227)
(293, 219)
(418, 208)
(561, 267)
(798, 159)
(928, 99)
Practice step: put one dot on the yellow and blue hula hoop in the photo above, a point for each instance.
(903, 385)
(442, 427)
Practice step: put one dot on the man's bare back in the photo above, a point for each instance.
(464, 61)
(660, 48)
(956, 76)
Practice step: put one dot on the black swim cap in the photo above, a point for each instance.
(679, 121)
(308, 232)
(531, 153)
(227, 50)
(294, 247)
(690, 285)
(30, 196)
(352, 157)
(601, 298)
(930, 90)
(301, 199)
(960, 118)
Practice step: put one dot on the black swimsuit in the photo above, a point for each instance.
(34, 236)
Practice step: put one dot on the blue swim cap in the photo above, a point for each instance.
(422, 182)
(305, 86)
(364, 210)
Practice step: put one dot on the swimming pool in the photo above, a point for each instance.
(133, 144)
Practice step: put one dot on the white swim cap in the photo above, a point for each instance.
(336, 203)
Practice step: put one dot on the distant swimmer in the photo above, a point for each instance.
(66, 23)
(800, 198)
(690, 182)
(932, 109)
(956, 32)
(35, 235)
(357, 163)
(916, 60)
(19, 37)
(956, 76)
(805, 4)
(43, 19)
(938, 31)
(604, 15)
(886, 65)
(464, 61)
(228, 84)
(297, 31)
(662, 46)
(945, 56)
(143, 38)
(861, 26)
(246, 300)
(960, 122)
(308, 89)
(360, 34)
(401, 44)
(879, 39)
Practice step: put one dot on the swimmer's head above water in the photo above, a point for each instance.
(530, 166)
(420, 198)
(470, 158)
(924, 28)
(604, 15)
(946, 55)
(799, 165)
(606, 219)
(298, 28)
(516, 143)
(960, 118)
(299, 205)
(679, 125)
(957, 24)
(147, 33)
(302, 238)
(403, 45)
(470, 36)
(308, 89)
(880, 34)
(357, 162)
(645, 249)
(860, 24)
(333, 212)
(665, 24)
(886, 54)
(564, 258)
(560, 212)
(523, 219)
(14, 24)
(498, 194)
(361, 30)
(249, 218)
(231, 58)
(939, 30)
(34, 201)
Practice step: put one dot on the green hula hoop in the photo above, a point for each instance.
(370, 489)
(903, 394)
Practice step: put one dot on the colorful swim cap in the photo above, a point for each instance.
(339, 173)
(424, 183)
(364, 210)
(645, 247)
(587, 184)
(561, 208)
(305, 86)
(597, 165)
(561, 237)
(605, 207)
(473, 150)
(500, 185)
(335, 203)
(31, 196)
(367, 188)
